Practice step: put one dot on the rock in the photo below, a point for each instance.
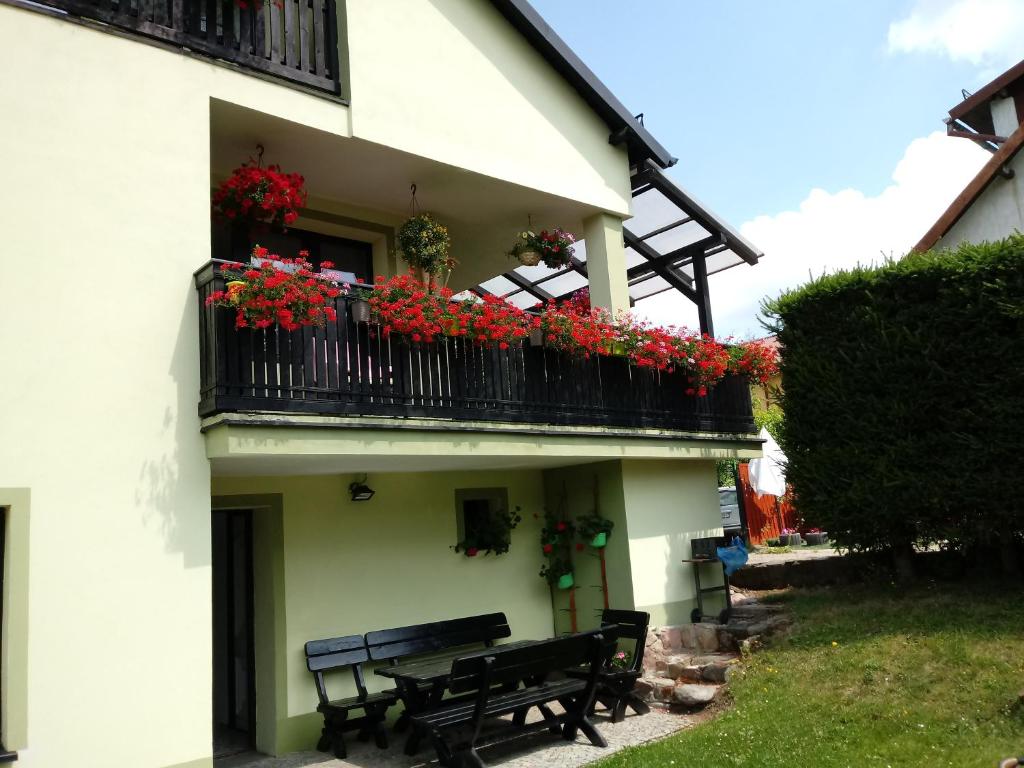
(661, 667)
(662, 688)
(670, 638)
(687, 637)
(644, 689)
(706, 636)
(691, 695)
(727, 641)
(690, 673)
(675, 669)
(717, 672)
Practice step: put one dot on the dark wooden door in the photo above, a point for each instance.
(234, 685)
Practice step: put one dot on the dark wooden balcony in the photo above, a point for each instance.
(294, 40)
(347, 369)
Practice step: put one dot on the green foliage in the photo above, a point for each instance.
(726, 473)
(492, 534)
(425, 244)
(769, 418)
(869, 677)
(902, 397)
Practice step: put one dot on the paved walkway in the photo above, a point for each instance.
(800, 553)
(538, 750)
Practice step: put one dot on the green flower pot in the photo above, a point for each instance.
(600, 540)
(565, 581)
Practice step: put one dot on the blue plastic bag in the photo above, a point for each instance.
(734, 556)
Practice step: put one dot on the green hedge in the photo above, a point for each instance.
(904, 398)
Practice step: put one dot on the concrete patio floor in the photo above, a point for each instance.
(530, 751)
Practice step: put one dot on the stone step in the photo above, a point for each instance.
(711, 667)
(671, 692)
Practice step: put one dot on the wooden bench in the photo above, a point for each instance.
(419, 639)
(337, 653)
(394, 645)
(615, 684)
(534, 665)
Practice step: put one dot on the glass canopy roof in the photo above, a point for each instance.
(667, 238)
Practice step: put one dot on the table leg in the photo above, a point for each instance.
(430, 701)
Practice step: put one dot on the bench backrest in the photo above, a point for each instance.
(534, 662)
(388, 644)
(336, 653)
(629, 625)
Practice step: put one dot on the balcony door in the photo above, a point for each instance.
(234, 683)
(347, 255)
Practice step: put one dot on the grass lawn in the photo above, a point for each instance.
(871, 677)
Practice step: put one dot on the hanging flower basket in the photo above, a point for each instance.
(565, 581)
(265, 195)
(425, 245)
(528, 257)
(554, 248)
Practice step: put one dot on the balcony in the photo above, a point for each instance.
(346, 369)
(293, 40)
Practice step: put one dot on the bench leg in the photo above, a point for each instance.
(554, 726)
(338, 744)
(519, 718)
(619, 711)
(380, 729)
(577, 720)
(412, 743)
(637, 704)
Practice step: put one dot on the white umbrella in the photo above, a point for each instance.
(768, 474)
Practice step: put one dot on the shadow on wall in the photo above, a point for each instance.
(172, 482)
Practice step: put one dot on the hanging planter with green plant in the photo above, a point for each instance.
(594, 529)
(425, 245)
(554, 248)
(556, 543)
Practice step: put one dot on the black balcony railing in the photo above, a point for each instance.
(348, 369)
(295, 40)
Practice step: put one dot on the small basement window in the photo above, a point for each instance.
(482, 518)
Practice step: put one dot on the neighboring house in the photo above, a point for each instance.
(991, 206)
(126, 507)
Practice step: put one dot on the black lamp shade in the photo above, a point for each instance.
(360, 492)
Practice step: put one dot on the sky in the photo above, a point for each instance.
(815, 128)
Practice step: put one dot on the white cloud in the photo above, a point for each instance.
(831, 231)
(982, 32)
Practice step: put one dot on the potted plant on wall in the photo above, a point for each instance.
(425, 246)
(491, 534)
(556, 543)
(594, 529)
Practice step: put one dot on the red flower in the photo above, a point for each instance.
(471, 551)
(560, 526)
(579, 546)
(548, 549)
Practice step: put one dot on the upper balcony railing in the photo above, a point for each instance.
(348, 369)
(295, 40)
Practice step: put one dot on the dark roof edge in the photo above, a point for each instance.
(987, 92)
(625, 128)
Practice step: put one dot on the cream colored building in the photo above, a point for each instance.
(117, 484)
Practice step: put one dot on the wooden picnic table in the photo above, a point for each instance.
(422, 682)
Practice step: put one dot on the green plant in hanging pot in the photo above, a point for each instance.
(554, 248)
(426, 246)
(594, 529)
(556, 539)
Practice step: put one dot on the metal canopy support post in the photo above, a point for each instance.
(703, 300)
